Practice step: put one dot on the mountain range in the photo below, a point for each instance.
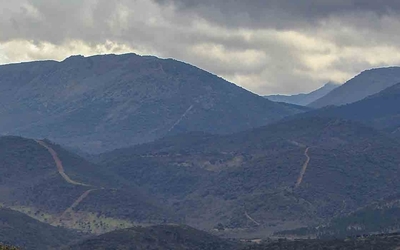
(381, 110)
(146, 152)
(304, 99)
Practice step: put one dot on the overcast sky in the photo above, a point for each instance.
(266, 46)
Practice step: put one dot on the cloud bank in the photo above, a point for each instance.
(266, 46)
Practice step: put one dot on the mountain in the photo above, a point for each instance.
(381, 110)
(296, 172)
(304, 99)
(157, 238)
(58, 187)
(363, 85)
(105, 102)
(21, 230)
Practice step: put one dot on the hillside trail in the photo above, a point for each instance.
(60, 166)
(61, 171)
(76, 203)
(304, 168)
(181, 118)
(250, 218)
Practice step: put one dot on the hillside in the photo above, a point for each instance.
(70, 191)
(379, 217)
(21, 230)
(381, 110)
(157, 238)
(105, 102)
(304, 99)
(363, 85)
(281, 176)
(373, 242)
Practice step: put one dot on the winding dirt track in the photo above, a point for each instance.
(61, 171)
(77, 202)
(59, 165)
(304, 169)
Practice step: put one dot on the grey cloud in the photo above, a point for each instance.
(279, 13)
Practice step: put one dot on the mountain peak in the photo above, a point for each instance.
(367, 83)
(304, 99)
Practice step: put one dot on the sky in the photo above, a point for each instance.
(265, 46)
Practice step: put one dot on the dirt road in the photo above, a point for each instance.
(304, 168)
(250, 218)
(76, 203)
(60, 166)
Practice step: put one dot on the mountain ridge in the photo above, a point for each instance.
(304, 99)
(366, 83)
(82, 102)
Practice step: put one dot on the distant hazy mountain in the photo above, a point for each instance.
(365, 84)
(105, 102)
(381, 110)
(304, 99)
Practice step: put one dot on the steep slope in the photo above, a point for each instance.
(363, 85)
(157, 238)
(304, 99)
(381, 110)
(58, 187)
(249, 179)
(105, 102)
(21, 230)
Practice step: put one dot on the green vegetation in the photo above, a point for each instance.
(375, 242)
(4, 247)
(380, 217)
(164, 237)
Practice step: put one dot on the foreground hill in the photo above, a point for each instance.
(21, 230)
(304, 99)
(283, 175)
(381, 110)
(105, 102)
(363, 85)
(58, 187)
(379, 217)
(373, 242)
(157, 238)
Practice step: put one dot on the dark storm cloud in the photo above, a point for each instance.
(280, 13)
